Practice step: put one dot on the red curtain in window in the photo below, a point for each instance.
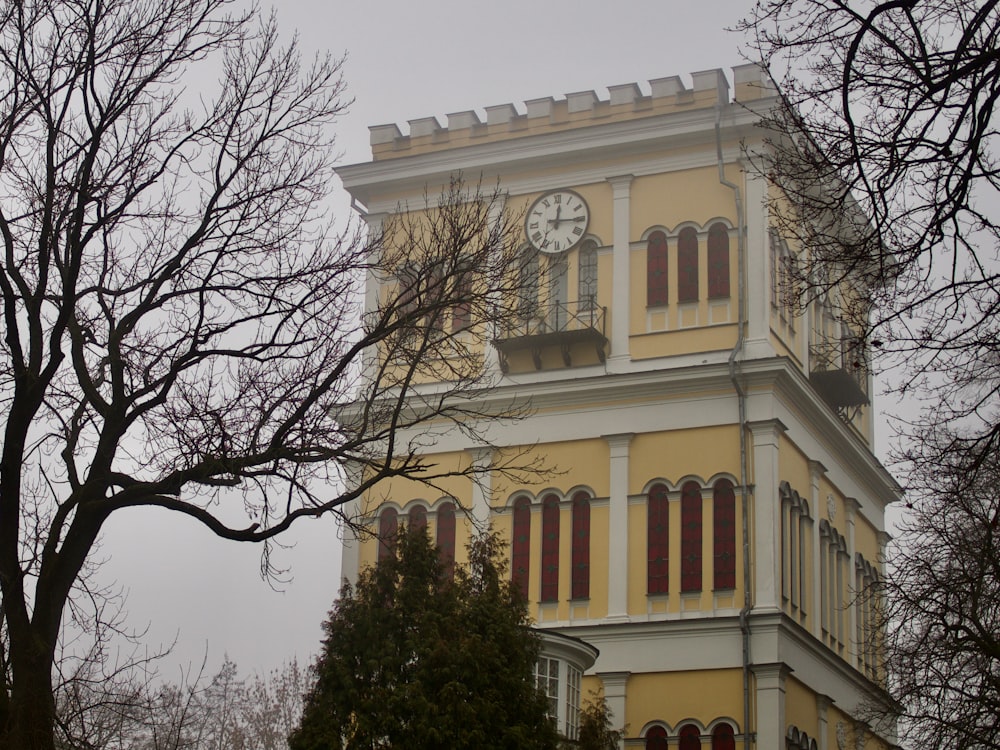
(656, 269)
(690, 737)
(718, 261)
(581, 546)
(724, 535)
(657, 540)
(521, 553)
(446, 537)
(388, 525)
(687, 265)
(723, 738)
(656, 738)
(691, 537)
(550, 549)
(417, 518)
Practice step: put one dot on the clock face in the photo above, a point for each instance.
(556, 221)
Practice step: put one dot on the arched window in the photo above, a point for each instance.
(446, 537)
(656, 738)
(587, 282)
(690, 737)
(416, 520)
(687, 265)
(527, 303)
(581, 546)
(550, 549)
(521, 552)
(718, 261)
(657, 540)
(691, 537)
(461, 311)
(724, 535)
(656, 269)
(388, 525)
(723, 738)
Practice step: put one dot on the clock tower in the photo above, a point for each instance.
(705, 550)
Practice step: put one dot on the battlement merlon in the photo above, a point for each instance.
(577, 109)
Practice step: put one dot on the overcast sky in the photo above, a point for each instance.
(405, 60)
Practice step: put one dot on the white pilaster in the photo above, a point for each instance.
(620, 282)
(757, 267)
(770, 704)
(823, 703)
(373, 283)
(491, 357)
(615, 684)
(766, 436)
(350, 555)
(816, 472)
(482, 487)
(618, 449)
(851, 505)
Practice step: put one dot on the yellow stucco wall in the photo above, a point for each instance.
(678, 697)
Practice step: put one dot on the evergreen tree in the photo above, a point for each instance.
(416, 659)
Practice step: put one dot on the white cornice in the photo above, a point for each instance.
(613, 140)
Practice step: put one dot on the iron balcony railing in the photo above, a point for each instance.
(838, 369)
(554, 324)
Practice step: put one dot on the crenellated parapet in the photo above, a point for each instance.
(626, 101)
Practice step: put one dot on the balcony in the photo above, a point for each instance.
(563, 325)
(838, 370)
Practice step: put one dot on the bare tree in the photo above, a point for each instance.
(884, 150)
(181, 326)
(884, 153)
(942, 620)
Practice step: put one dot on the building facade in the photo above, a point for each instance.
(713, 519)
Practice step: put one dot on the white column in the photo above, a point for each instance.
(620, 277)
(816, 472)
(614, 692)
(482, 487)
(618, 527)
(350, 555)
(823, 703)
(851, 603)
(770, 705)
(757, 267)
(491, 357)
(766, 435)
(373, 284)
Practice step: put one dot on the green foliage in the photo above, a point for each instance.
(412, 659)
(595, 726)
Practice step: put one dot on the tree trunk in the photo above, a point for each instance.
(31, 719)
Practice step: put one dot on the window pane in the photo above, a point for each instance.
(656, 269)
(520, 555)
(446, 537)
(724, 534)
(723, 738)
(588, 277)
(718, 261)
(656, 738)
(550, 549)
(417, 518)
(687, 265)
(388, 524)
(691, 537)
(690, 737)
(581, 546)
(528, 284)
(657, 575)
